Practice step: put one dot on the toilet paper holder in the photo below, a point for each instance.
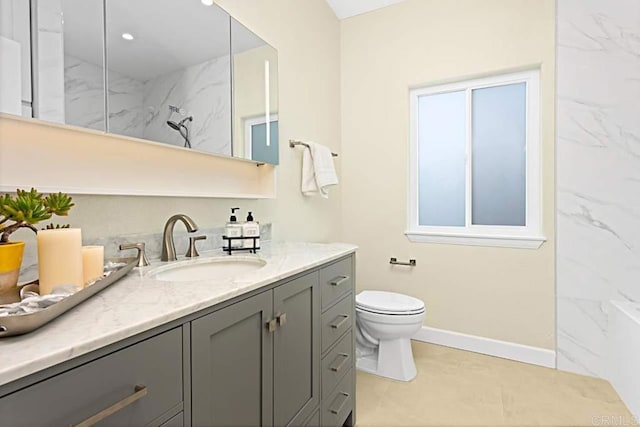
(394, 261)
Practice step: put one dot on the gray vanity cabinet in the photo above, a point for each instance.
(232, 365)
(281, 356)
(257, 362)
(338, 344)
(177, 421)
(136, 386)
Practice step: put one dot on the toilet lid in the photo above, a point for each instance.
(388, 302)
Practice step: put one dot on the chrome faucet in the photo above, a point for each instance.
(168, 245)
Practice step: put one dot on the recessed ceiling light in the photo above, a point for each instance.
(127, 36)
(207, 2)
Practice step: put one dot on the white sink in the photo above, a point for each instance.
(207, 269)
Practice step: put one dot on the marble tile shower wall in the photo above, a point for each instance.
(84, 98)
(141, 109)
(126, 106)
(598, 173)
(50, 62)
(153, 247)
(204, 92)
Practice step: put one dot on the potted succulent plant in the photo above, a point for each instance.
(24, 210)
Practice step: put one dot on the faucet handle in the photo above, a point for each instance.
(142, 255)
(193, 251)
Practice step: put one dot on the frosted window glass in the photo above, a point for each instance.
(498, 155)
(441, 159)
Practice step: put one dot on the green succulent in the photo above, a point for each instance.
(28, 208)
(56, 226)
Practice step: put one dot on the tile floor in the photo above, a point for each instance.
(460, 388)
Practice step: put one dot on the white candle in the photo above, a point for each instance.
(59, 258)
(92, 263)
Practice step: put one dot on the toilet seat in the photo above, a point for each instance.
(390, 319)
(389, 313)
(388, 303)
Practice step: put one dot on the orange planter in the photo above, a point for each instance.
(10, 262)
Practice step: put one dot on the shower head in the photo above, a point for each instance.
(186, 119)
(180, 124)
(182, 129)
(173, 125)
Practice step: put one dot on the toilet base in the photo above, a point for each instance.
(392, 359)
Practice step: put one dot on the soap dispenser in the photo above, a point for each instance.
(233, 229)
(251, 229)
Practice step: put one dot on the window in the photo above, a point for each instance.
(475, 162)
(256, 146)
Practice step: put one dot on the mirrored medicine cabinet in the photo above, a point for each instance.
(179, 72)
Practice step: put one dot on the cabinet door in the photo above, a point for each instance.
(232, 365)
(296, 367)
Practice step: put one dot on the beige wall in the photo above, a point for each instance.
(505, 294)
(306, 35)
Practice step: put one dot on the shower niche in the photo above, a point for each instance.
(178, 72)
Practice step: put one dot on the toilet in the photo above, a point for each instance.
(385, 323)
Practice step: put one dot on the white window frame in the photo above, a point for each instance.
(528, 236)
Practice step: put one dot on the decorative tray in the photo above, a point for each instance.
(18, 324)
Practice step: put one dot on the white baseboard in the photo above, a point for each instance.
(506, 350)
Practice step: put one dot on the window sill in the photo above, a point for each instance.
(501, 241)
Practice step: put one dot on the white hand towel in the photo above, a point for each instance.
(318, 171)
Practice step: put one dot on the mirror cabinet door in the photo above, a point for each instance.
(83, 47)
(15, 58)
(168, 75)
(255, 96)
(60, 60)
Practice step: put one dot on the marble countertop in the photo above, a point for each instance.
(138, 303)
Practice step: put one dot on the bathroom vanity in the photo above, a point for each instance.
(271, 347)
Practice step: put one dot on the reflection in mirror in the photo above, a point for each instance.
(67, 84)
(171, 65)
(169, 73)
(15, 58)
(255, 96)
(84, 104)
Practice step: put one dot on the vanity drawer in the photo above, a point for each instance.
(74, 396)
(336, 407)
(338, 361)
(336, 280)
(336, 321)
